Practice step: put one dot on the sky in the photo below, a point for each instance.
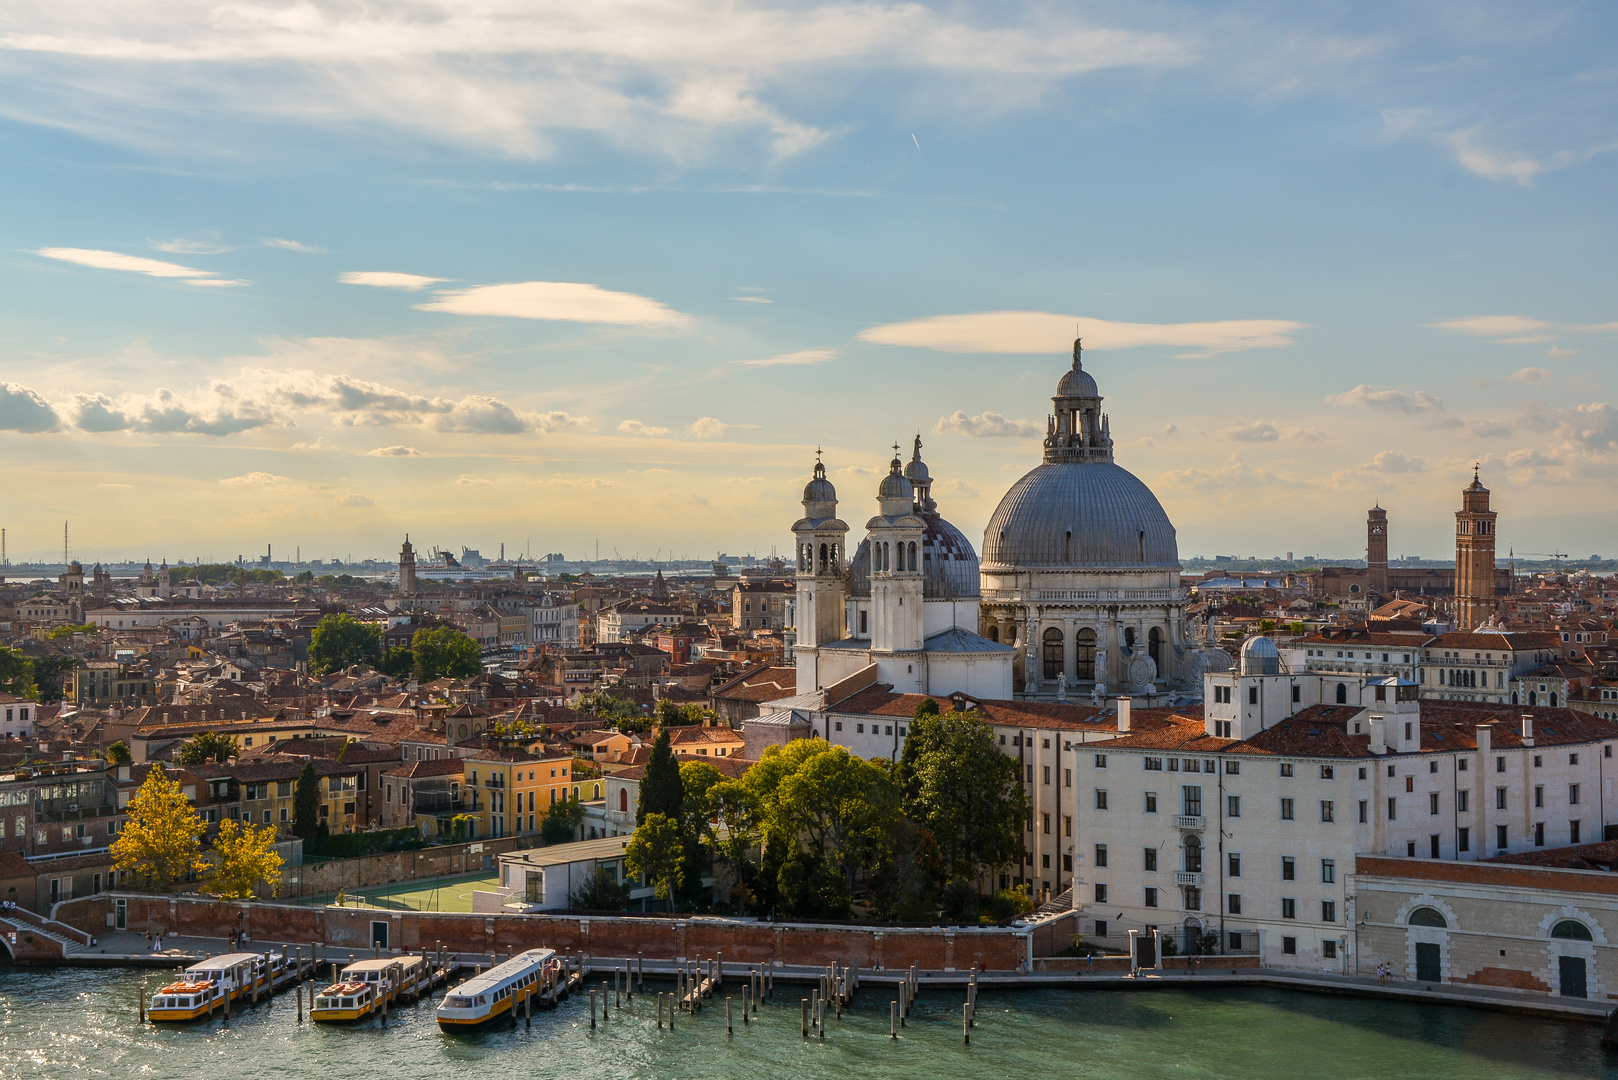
(319, 274)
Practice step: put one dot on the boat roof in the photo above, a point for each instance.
(226, 960)
(381, 965)
(517, 965)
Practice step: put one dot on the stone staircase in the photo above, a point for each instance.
(66, 939)
(1060, 903)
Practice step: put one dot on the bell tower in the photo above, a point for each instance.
(1474, 556)
(821, 540)
(896, 583)
(1376, 548)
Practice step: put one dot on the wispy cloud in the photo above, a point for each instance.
(356, 500)
(806, 356)
(395, 451)
(1387, 400)
(135, 264)
(563, 301)
(387, 279)
(985, 425)
(1044, 332)
(1263, 431)
(192, 247)
(291, 245)
(1520, 329)
(635, 427)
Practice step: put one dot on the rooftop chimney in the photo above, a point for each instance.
(1379, 734)
(1485, 739)
(1124, 704)
(1527, 730)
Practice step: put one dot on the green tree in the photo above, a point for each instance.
(736, 835)
(904, 772)
(669, 713)
(118, 754)
(50, 674)
(162, 838)
(340, 641)
(245, 858)
(17, 674)
(967, 794)
(443, 652)
(398, 662)
(660, 788)
(561, 823)
(613, 709)
(67, 630)
(601, 891)
(208, 746)
(656, 854)
(306, 804)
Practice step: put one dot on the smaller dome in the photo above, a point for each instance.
(1077, 383)
(1260, 657)
(894, 485)
(819, 489)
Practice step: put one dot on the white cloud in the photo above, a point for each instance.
(1557, 353)
(356, 501)
(752, 300)
(1372, 397)
(1495, 326)
(635, 427)
(386, 279)
(135, 264)
(1489, 429)
(1533, 376)
(1392, 461)
(472, 481)
(708, 428)
(671, 80)
(256, 479)
(564, 301)
(806, 356)
(1257, 431)
(1237, 475)
(191, 247)
(291, 245)
(1044, 332)
(986, 425)
(395, 451)
(23, 410)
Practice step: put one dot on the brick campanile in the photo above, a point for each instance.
(1474, 556)
(1376, 548)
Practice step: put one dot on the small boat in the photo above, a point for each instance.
(205, 986)
(362, 986)
(495, 995)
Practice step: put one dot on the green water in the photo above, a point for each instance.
(79, 1022)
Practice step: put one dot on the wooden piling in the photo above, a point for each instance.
(660, 1010)
(805, 1018)
(966, 1024)
(820, 1024)
(640, 971)
(528, 1008)
(893, 1020)
(142, 1005)
(747, 992)
(297, 992)
(730, 1026)
(592, 1010)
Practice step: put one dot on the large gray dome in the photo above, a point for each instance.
(949, 566)
(1079, 514)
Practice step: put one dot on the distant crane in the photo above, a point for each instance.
(1555, 556)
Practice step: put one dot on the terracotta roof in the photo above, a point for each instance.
(1599, 856)
(441, 767)
(1497, 642)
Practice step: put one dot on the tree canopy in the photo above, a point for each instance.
(340, 641)
(444, 651)
(50, 672)
(162, 838)
(208, 746)
(562, 820)
(67, 630)
(245, 858)
(118, 753)
(965, 792)
(17, 674)
(601, 891)
(306, 804)
(661, 791)
(656, 853)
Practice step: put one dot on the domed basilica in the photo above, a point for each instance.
(1079, 586)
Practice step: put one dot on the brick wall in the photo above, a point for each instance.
(350, 928)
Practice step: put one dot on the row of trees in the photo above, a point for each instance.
(810, 826)
(162, 844)
(341, 641)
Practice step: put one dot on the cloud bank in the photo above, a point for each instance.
(1044, 332)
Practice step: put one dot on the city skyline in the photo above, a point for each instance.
(326, 278)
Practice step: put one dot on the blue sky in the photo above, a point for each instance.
(319, 274)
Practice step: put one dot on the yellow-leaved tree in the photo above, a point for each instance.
(246, 856)
(162, 838)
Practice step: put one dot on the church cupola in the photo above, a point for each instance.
(921, 480)
(821, 540)
(1077, 430)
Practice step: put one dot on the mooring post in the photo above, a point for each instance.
(592, 1010)
(730, 1027)
(747, 992)
(966, 1024)
(805, 1018)
(143, 1003)
(822, 1023)
(528, 1009)
(640, 971)
(893, 1020)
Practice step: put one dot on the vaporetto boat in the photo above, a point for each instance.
(495, 995)
(206, 986)
(362, 986)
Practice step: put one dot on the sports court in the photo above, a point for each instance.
(436, 894)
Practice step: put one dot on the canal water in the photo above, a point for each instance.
(81, 1023)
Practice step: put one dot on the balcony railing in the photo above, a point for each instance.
(1186, 877)
(1190, 822)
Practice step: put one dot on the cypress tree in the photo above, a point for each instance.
(660, 789)
(306, 804)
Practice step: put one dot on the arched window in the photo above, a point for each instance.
(1514, 697)
(913, 564)
(1571, 930)
(1426, 916)
(822, 558)
(1193, 855)
(623, 800)
(1553, 699)
(597, 793)
(1154, 647)
(1342, 694)
(1084, 653)
(1533, 698)
(994, 632)
(1053, 652)
(1129, 638)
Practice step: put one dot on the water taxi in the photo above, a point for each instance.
(362, 986)
(497, 993)
(205, 986)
